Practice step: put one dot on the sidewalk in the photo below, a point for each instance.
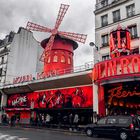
(62, 128)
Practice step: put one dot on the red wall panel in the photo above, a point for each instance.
(77, 97)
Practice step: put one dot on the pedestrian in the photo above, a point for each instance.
(4, 119)
(59, 120)
(95, 117)
(18, 119)
(32, 121)
(75, 121)
(13, 119)
(65, 119)
(70, 121)
(47, 120)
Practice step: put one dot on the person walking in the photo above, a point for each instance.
(48, 118)
(70, 121)
(75, 121)
(59, 119)
(13, 119)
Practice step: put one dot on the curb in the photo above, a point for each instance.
(44, 128)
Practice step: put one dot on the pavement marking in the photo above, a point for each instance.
(22, 138)
(3, 136)
(9, 137)
(12, 138)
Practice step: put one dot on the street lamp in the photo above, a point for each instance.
(95, 52)
(93, 44)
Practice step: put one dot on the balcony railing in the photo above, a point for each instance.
(104, 24)
(55, 73)
(103, 3)
(116, 19)
(130, 14)
(134, 36)
(105, 44)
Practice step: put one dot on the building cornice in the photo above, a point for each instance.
(68, 80)
(110, 6)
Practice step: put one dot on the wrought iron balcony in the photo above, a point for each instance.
(130, 14)
(102, 4)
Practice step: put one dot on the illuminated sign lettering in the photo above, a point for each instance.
(117, 66)
(118, 92)
(19, 100)
(21, 79)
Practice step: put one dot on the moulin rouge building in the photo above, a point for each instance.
(116, 81)
(60, 90)
(110, 86)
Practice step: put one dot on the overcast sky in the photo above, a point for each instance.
(79, 18)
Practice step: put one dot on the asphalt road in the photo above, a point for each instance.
(39, 134)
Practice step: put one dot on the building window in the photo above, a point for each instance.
(135, 51)
(104, 40)
(130, 10)
(0, 71)
(133, 31)
(105, 57)
(104, 2)
(49, 59)
(2, 59)
(104, 20)
(116, 16)
(62, 59)
(55, 58)
(69, 60)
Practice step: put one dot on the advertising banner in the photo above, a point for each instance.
(77, 97)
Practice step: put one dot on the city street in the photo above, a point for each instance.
(39, 134)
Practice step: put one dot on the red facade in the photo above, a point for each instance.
(119, 42)
(79, 97)
(118, 78)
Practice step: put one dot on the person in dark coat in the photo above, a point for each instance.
(13, 119)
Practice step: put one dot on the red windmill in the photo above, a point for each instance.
(58, 48)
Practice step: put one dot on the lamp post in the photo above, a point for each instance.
(95, 87)
(95, 52)
(93, 44)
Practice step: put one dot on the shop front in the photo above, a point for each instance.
(58, 104)
(118, 84)
(118, 78)
(123, 98)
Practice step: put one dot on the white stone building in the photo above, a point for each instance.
(111, 13)
(19, 55)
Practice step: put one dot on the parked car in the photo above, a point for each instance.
(122, 127)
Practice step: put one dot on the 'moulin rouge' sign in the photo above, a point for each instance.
(121, 66)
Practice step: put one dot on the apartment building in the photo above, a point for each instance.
(112, 17)
(4, 51)
(19, 55)
(111, 13)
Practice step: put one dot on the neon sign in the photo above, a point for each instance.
(19, 100)
(117, 66)
(29, 77)
(118, 92)
(21, 79)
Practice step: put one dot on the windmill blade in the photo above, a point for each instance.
(35, 27)
(62, 11)
(47, 49)
(74, 36)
